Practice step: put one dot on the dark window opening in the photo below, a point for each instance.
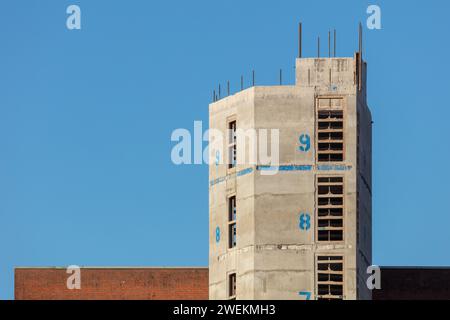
(232, 144)
(232, 213)
(325, 157)
(330, 209)
(330, 133)
(232, 286)
(232, 235)
(232, 209)
(330, 278)
(331, 146)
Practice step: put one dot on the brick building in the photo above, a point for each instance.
(397, 283)
(414, 283)
(113, 284)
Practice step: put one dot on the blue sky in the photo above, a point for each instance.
(86, 117)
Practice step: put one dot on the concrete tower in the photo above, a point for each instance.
(304, 231)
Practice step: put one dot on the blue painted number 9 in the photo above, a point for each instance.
(305, 141)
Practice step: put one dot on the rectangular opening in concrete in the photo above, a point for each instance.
(326, 277)
(330, 130)
(324, 157)
(232, 208)
(232, 286)
(332, 212)
(330, 136)
(330, 125)
(330, 201)
(330, 147)
(331, 189)
(330, 209)
(232, 144)
(330, 179)
(330, 278)
(232, 236)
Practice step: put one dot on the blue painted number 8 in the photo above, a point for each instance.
(305, 141)
(217, 234)
(305, 221)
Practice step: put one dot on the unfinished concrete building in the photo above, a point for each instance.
(306, 231)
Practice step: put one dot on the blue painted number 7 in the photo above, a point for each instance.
(305, 294)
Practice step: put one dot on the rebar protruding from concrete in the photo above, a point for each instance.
(318, 47)
(329, 44)
(300, 40)
(334, 42)
(360, 53)
(360, 40)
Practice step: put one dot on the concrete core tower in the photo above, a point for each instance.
(301, 228)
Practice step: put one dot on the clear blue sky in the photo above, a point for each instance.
(86, 118)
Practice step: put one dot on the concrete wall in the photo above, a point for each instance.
(113, 284)
(274, 259)
(225, 182)
(284, 258)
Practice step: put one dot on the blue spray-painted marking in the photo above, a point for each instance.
(217, 157)
(305, 141)
(285, 168)
(305, 221)
(244, 172)
(217, 235)
(326, 167)
(306, 294)
(238, 174)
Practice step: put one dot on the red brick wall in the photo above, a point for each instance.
(113, 284)
(192, 284)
